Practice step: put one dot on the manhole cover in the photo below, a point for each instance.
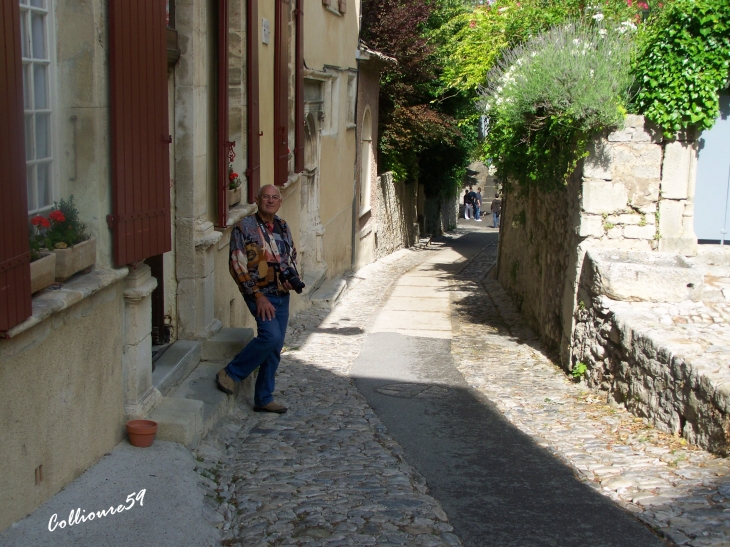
(409, 391)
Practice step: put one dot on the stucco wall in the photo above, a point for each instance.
(634, 192)
(61, 399)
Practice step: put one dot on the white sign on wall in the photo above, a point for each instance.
(265, 31)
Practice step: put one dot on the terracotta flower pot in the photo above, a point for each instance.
(234, 196)
(74, 259)
(141, 432)
(42, 272)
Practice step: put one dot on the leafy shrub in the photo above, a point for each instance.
(474, 41)
(545, 98)
(684, 64)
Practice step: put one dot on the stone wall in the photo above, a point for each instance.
(633, 192)
(396, 203)
(633, 361)
(440, 215)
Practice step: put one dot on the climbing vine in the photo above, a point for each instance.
(684, 64)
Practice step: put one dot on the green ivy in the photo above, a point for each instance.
(684, 64)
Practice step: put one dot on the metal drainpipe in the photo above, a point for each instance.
(724, 222)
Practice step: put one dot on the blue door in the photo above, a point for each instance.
(712, 215)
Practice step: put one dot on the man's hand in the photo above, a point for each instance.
(265, 309)
(287, 286)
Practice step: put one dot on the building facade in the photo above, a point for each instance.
(146, 112)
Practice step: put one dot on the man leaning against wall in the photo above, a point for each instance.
(262, 262)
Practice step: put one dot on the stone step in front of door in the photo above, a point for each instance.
(190, 410)
(175, 365)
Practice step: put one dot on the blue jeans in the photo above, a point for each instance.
(495, 220)
(476, 212)
(264, 351)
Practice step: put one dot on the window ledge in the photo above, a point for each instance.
(237, 212)
(333, 10)
(52, 301)
(351, 126)
(364, 212)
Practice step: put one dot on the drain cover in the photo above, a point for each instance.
(409, 391)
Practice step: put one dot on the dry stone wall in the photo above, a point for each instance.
(633, 192)
(397, 217)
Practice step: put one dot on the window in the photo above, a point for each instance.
(366, 163)
(351, 98)
(338, 7)
(35, 32)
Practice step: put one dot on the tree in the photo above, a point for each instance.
(417, 120)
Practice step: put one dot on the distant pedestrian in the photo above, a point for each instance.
(468, 204)
(478, 205)
(496, 211)
(473, 195)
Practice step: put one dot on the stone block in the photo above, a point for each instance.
(670, 218)
(637, 161)
(599, 161)
(640, 232)
(602, 196)
(137, 369)
(648, 277)
(676, 169)
(226, 344)
(636, 129)
(628, 219)
(685, 245)
(179, 420)
(615, 233)
(590, 226)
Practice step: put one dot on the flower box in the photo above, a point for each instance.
(234, 197)
(42, 272)
(74, 259)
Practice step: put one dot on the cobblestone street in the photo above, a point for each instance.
(329, 473)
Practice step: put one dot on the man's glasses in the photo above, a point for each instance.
(265, 197)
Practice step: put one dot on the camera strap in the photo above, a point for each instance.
(272, 245)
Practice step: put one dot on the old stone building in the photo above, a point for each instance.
(145, 112)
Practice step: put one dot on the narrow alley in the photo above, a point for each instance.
(423, 413)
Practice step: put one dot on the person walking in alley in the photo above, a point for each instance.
(262, 262)
(478, 205)
(496, 210)
(467, 204)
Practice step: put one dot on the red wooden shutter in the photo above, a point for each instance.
(223, 144)
(15, 301)
(253, 173)
(281, 94)
(299, 91)
(140, 219)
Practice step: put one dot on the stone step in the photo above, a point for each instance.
(201, 386)
(191, 409)
(329, 293)
(313, 280)
(175, 364)
(225, 344)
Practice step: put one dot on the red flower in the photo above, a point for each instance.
(38, 220)
(57, 215)
(233, 176)
(643, 5)
(472, 24)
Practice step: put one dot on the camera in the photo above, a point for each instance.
(291, 275)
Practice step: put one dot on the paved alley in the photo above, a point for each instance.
(422, 412)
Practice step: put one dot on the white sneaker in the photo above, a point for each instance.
(478, 220)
